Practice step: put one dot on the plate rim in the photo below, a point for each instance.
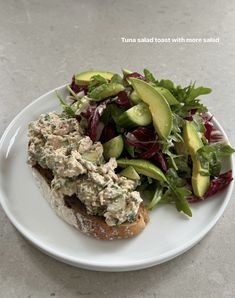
(100, 266)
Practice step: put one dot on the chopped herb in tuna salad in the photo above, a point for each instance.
(59, 144)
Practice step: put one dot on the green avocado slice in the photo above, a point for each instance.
(84, 78)
(143, 167)
(193, 142)
(168, 96)
(158, 106)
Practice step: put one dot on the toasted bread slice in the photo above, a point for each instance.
(74, 212)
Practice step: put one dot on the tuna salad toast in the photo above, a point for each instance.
(121, 146)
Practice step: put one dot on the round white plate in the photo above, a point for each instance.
(167, 235)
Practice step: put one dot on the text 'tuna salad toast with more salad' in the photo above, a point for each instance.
(123, 145)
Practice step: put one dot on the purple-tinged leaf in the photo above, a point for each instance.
(144, 134)
(150, 152)
(123, 99)
(135, 75)
(107, 134)
(78, 88)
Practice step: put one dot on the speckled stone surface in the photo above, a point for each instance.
(42, 43)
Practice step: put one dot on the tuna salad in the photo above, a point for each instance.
(58, 143)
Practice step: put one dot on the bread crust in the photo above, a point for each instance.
(71, 210)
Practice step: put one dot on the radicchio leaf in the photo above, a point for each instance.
(144, 133)
(78, 88)
(107, 134)
(150, 152)
(212, 134)
(93, 114)
(132, 140)
(135, 75)
(123, 99)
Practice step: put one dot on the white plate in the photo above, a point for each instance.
(167, 235)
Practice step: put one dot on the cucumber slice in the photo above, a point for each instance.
(84, 78)
(143, 167)
(168, 96)
(135, 98)
(130, 172)
(113, 148)
(138, 115)
(106, 90)
(91, 156)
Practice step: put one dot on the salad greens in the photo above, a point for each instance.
(142, 121)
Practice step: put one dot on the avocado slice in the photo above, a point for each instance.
(130, 173)
(167, 95)
(193, 142)
(158, 106)
(143, 167)
(84, 78)
(114, 147)
(106, 90)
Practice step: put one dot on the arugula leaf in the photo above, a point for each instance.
(210, 157)
(172, 191)
(95, 81)
(181, 202)
(68, 110)
(156, 198)
(222, 149)
(198, 123)
(178, 191)
(188, 98)
(117, 79)
(166, 84)
(173, 179)
(175, 136)
(149, 76)
(195, 92)
(183, 169)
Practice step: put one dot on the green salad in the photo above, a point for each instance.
(160, 134)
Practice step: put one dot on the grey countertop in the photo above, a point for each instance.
(42, 43)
